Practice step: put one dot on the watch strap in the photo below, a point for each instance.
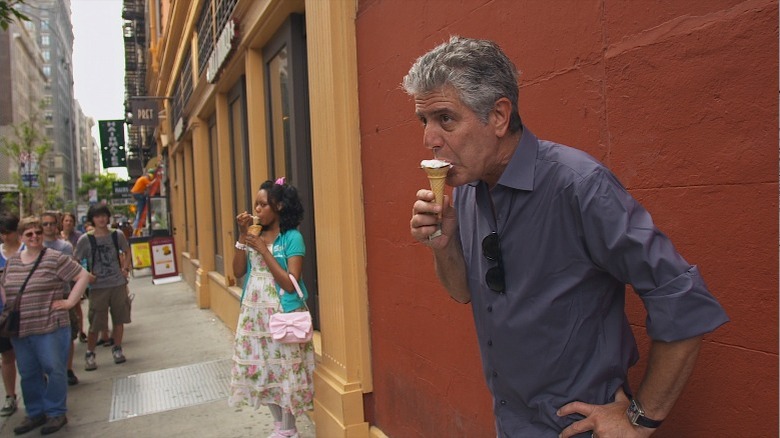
(643, 421)
(636, 414)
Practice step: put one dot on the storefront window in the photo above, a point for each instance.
(219, 256)
(289, 144)
(239, 150)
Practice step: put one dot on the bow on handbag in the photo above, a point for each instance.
(293, 327)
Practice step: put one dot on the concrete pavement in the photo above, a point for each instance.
(176, 353)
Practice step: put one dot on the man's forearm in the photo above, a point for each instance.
(451, 270)
(669, 366)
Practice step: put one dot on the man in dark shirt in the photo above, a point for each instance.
(542, 239)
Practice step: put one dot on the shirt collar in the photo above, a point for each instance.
(519, 173)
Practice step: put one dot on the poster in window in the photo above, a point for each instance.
(141, 253)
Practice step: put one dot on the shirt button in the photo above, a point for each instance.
(490, 343)
(495, 374)
(490, 308)
(503, 402)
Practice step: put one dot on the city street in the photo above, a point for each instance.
(174, 383)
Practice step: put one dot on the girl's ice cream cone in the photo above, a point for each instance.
(255, 228)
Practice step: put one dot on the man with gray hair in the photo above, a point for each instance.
(541, 238)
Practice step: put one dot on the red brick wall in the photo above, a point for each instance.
(678, 98)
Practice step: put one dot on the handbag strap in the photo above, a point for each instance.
(297, 289)
(24, 285)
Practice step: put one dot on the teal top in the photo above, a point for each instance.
(286, 245)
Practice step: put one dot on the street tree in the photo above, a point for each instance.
(103, 184)
(28, 148)
(9, 13)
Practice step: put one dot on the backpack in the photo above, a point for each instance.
(93, 246)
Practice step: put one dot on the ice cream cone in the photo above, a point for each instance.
(436, 177)
(437, 174)
(255, 228)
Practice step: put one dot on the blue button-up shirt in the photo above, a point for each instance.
(571, 238)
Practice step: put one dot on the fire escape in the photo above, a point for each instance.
(141, 145)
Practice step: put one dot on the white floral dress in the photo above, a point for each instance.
(267, 372)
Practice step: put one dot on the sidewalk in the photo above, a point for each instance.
(178, 364)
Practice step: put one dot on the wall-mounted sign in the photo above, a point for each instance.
(178, 130)
(121, 189)
(226, 43)
(144, 112)
(112, 143)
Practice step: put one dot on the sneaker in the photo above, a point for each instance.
(118, 356)
(72, 379)
(54, 424)
(29, 424)
(9, 407)
(282, 433)
(106, 342)
(90, 363)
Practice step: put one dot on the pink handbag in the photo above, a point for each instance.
(292, 327)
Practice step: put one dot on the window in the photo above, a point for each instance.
(205, 36)
(289, 144)
(219, 256)
(45, 40)
(239, 149)
(46, 55)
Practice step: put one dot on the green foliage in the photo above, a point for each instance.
(28, 148)
(9, 13)
(104, 184)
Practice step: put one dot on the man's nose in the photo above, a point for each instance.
(432, 138)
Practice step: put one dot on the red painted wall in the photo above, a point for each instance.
(679, 98)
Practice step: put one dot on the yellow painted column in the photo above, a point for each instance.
(204, 208)
(344, 373)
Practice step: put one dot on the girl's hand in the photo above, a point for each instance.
(257, 243)
(61, 305)
(244, 220)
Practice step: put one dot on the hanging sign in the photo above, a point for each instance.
(144, 112)
(112, 143)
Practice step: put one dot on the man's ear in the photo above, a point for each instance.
(500, 116)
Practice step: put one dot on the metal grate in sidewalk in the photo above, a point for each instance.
(165, 390)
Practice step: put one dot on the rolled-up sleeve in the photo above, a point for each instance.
(682, 308)
(622, 239)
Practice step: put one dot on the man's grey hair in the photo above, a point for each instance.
(477, 69)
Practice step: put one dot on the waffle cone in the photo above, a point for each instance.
(437, 177)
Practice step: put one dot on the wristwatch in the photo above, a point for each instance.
(636, 415)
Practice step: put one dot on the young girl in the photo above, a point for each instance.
(266, 372)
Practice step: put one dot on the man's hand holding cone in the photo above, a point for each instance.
(437, 174)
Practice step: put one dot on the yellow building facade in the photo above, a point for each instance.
(255, 90)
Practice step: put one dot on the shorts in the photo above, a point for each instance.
(101, 301)
(5, 345)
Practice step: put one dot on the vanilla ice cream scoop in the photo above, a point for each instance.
(434, 164)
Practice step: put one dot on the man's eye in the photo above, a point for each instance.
(445, 118)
